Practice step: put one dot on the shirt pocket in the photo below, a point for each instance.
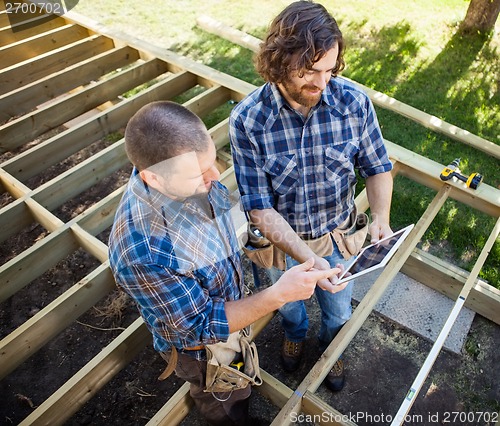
(337, 161)
(283, 172)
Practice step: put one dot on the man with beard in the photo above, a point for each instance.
(297, 142)
(173, 249)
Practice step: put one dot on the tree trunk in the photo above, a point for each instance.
(481, 16)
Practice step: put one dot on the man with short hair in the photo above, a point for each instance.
(297, 142)
(174, 250)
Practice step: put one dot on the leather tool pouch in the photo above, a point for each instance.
(232, 365)
(351, 236)
(261, 252)
(263, 257)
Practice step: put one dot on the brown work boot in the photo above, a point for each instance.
(291, 354)
(336, 377)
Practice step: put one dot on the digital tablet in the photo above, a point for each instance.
(375, 255)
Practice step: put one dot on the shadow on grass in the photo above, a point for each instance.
(449, 102)
(381, 57)
(221, 55)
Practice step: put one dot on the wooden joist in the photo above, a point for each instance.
(426, 172)
(449, 280)
(54, 318)
(30, 70)
(29, 126)
(41, 43)
(110, 120)
(27, 97)
(7, 36)
(61, 405)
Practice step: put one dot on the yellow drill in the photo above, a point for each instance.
(452, 170)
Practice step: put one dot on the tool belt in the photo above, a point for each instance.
(349, 237)
(233, 364)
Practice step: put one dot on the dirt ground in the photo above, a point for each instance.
(382, 362)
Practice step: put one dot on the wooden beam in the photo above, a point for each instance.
(47, 252)
(23, 31)
(28, 71)
(12, 185)
(319, 371)
(24, 99)
(449, 280)
(40, 44)
(206, 102)
(55, 149)
(227, 32)
(68, 399)
(323, 414)
(36, 212)
(81, 177)
(238, 88)
(33, 262)
(175, 410)
(274, 390)
(14, 217)
(434, 123)
(424, 371)
(32, 335)
(22, 130)
(90, 244)
(220, 133)
(100, 216)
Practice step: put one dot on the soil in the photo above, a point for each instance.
(382, 360)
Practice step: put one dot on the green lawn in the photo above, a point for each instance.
(408, 50)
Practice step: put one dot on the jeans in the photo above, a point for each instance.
(335, 308)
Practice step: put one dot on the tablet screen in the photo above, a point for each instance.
(376, 255)
(373, 254)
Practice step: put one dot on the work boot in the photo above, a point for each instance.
(291, 354)
(336, 377)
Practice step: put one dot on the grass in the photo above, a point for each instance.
(408, 50)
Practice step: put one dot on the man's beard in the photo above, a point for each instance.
(299, 94)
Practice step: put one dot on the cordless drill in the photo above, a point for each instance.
(452, 170)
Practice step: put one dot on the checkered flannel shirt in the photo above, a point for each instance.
(177, 263)
(305, 167)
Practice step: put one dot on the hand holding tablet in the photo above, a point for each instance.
(375, 255)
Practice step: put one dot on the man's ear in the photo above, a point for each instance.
(150, 178)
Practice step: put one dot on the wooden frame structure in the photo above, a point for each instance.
(75, 83)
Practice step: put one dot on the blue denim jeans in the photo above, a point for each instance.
(335, 308)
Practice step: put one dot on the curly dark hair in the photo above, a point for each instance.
(297, 38)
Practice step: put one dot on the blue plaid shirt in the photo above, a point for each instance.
(178, 263)
(305, 167)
